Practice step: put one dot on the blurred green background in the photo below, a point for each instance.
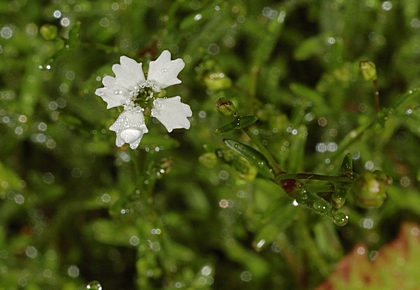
(75, 208)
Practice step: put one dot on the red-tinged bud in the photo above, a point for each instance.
(368, 70)
(225, 107)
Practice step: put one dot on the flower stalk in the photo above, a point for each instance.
(264, 151)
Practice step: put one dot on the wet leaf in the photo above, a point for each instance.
(252, 155)
(392, 267)
(239, 123)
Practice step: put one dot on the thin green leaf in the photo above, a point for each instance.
(252, 155)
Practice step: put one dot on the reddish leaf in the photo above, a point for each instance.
(396, 265)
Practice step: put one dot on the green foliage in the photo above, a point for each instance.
(76, 209)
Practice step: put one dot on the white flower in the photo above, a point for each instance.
(129, 82)
(172, 113)
(129, 79)
(129, 127)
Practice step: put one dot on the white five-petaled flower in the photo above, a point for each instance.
(129, 78)
(129, 82)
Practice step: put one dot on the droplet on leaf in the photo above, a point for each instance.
(94, 285)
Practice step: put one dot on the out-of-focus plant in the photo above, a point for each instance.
(252, 202)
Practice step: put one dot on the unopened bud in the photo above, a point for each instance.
(208, 160)
(225, 107)
(48, 31)
(245, 169)
(368, 70)
(161, 94)
(165, 165)
(370, 188)
(217, 81)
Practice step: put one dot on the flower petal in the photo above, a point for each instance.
(172, 113)
(119, 90)
(129, 73)
(163, 71)
(129, 127)
(111, 93)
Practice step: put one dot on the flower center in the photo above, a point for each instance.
(130, 135)
(134, 92)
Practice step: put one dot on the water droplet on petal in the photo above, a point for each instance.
(130, 135)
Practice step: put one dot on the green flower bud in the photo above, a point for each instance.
(225, 155)
(161, 94)
(225, 107)
(368, 70)
(165, 165)
(208, 160)
(48, 31)
(245, 169)
(370, 188)
(217, 81)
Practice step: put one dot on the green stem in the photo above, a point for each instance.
(375, 86)
(291, 259)
(99, 46)
(354, 135)
(253, 86)
(264, 151)
(349, 139)
(309, 176)
(138, 157)
(311, 249)
(320, 188)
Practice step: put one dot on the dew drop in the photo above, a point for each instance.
(46, 67)
(130, 135)
(319, 205)
(340, 219)
(260, 244)
(94, 285)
